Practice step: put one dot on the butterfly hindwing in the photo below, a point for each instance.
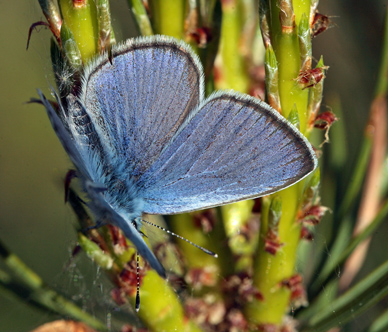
(234, 148)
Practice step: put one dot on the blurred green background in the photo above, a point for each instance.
(34, 221)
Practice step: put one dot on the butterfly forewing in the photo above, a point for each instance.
(139, 102)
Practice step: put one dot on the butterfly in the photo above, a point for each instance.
(144, 139)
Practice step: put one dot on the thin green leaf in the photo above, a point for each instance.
(380, 324)
(382, 82)
(29, 286)
(141, 17)
(343, 215)
(332, 264)
(359, 298)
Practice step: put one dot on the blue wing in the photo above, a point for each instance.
(63, 134)
(138, 103)
(80, 154)
(234, 148)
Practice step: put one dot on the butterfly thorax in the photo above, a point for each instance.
(114, 193)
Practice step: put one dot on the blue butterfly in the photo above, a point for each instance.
(145, 140)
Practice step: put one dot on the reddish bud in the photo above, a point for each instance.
(118, 238)
(128, 276)
(239, 287)
(205, 312)
(118, 296)
(306, 234)
(298, 293)
(268, 328)
(205, 220)
(325, 120)
(202, 36)
(79, 3)
(199, 277)
(311, 77)
(320, 24)
(313, 214)
(237, 320)
(114, 233)
(272, 246)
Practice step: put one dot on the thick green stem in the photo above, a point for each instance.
(82, 21)
(272, 267)
(232, 73)
(168, 17)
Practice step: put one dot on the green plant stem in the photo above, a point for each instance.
(184, 225)
(39, 293)
(160, 308)
(382, 81)
(233, 73)
(286, 48)
(83, 23)
(141, 17)
(270, 270)
(168, 17)
(234, 217)
(380, 324)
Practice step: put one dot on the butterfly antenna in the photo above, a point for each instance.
(211, 253)
(137, 306)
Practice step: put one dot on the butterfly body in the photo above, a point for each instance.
(145, 140)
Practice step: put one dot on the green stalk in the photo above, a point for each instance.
(82, 21)
(141, 17)
(184, 225)
(271, 269)
(35, 290)
(380, 324)
(328, 274)
(286, 48)
(359, 298)
(168, 17)
(233, 73)
(160, 307)
(382, 81)
(343, 216)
